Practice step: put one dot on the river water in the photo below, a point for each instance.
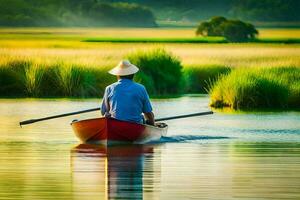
(221, 156)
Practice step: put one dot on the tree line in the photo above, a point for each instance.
(250, 10)
(266, 10)
(140, 13)
(74, 13)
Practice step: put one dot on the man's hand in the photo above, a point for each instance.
(108, 115)
(149, 117)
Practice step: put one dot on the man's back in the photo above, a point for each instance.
(126, 100)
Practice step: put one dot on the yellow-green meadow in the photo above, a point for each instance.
(52, 45)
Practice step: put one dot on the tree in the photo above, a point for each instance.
(204, 29)
(232, 30)
(238, 31)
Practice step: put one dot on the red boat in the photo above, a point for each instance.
(109, 130)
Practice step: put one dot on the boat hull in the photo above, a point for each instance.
(104, 130)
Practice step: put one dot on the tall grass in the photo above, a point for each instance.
(12, 79)
(198, 79)
(70, 79)
(160, 71)
(271, 88)
(27, 79)
(33, 75)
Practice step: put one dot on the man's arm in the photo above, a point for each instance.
(147, 109)
(149, 118)
(105, 104)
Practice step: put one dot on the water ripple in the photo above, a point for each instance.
(188, 138)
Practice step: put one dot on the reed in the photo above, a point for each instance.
(198, 79)
(239, 88)
(28, 79)
(13, 78)
(77, 81)
(33, 75)
(160, 70)
(257, 88)
(69, 79)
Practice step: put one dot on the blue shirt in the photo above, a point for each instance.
(126, 100)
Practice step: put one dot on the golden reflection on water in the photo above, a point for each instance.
(115, 172)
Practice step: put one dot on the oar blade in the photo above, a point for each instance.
(30, 121)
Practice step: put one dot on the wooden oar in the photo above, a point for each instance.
(184, 116)
(31, 121)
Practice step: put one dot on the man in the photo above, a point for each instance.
(126, 100)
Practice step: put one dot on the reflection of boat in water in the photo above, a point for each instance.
(101, 130)
(114, 172)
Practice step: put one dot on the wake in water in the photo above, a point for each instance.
(187, 138)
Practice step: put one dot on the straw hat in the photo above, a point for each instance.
(124, 68)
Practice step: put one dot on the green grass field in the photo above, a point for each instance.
(64, 60)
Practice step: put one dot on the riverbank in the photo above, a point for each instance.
(237, 88)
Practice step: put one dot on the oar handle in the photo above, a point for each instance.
(31, 121)
(184, 116)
